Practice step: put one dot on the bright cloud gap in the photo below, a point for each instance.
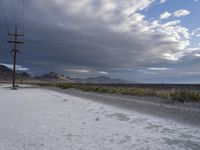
(18, 67)
(178, 13)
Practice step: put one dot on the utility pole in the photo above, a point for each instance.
(14, 51)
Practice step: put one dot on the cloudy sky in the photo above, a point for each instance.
(137, 40)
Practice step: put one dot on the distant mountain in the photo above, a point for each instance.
(24, 75)
(47, 76)
(5, 70)
(54, 77)
(101, 80)
(6, 74)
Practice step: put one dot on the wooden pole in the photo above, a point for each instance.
(14, 51)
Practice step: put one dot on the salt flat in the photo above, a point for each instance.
(39, 119)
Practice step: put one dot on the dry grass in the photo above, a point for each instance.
(173, 94)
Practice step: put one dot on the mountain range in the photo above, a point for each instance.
(6, 75)
(100, 80)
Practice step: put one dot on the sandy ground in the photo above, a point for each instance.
(39, 119)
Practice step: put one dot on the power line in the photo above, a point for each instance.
(23, 16)
(14, 12)
(4, 15)
(17, 14)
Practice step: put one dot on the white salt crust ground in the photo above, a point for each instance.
(37, 119)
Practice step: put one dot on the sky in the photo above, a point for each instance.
(149, 41)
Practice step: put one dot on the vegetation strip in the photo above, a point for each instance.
(177, 95)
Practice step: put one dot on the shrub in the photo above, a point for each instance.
(185, 96)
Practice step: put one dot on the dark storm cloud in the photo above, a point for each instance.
(58, 39)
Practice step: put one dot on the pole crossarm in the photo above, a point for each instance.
(16, 42)
(16, 34)
(17, 50)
